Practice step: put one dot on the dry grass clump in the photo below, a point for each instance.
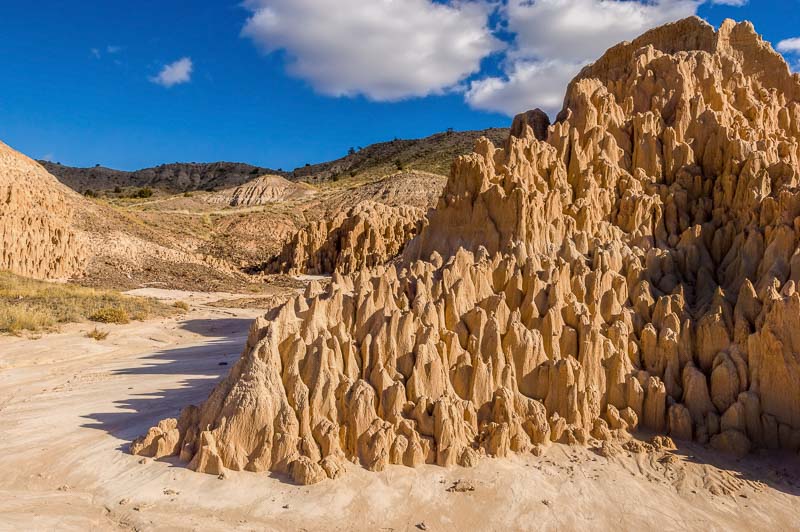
(27, 304)
(181, 305)
(97, 334)
(111, 315)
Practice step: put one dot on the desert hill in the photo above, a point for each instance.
(637, 267)
(48, 231)
(264, 189)
(37, 220)
(175, 177)
(431, 154)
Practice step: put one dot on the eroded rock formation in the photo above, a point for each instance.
(36, 215)
(636, 268)
(262, 190)
(364, 236)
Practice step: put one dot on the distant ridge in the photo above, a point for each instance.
(430, 154)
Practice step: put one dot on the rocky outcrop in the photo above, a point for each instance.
(260, 191)
(364, 236)
(37, 238)
(360, 226)
(536, 119)
(637, 268)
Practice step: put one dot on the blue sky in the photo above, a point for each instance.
(280, 83)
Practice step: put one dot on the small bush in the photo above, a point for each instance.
(187, 194)
(110, 315)
(399, 164)
(142, 193)
(117, 190)
(181, 305)
(97, 334)
(89, 193)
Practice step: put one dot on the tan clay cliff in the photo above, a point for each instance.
(364, 236)
(363, 226)
(636, 268)
(37, 238)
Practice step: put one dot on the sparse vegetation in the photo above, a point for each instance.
(30, 305)
(110, 315)
(97, 334)
(181, 305)
(143, 193)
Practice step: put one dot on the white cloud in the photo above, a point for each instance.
(789, 46)
(383, 49)
(526, 85)
(175, 73)
(553, 39)
(95, 53)
(734, 3)
(113, 49)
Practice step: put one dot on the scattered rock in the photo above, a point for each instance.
(461, 486)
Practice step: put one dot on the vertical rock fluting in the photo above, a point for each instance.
(636, 268)
(368, 234)
(36, 215)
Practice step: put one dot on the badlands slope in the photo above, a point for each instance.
(37, 213)
(635, 269)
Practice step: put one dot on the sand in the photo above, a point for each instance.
(69, 407)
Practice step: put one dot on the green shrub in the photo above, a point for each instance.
(145, 192)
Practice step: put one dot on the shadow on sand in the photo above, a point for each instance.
(204, 365)
(201, 367)
(780, 470)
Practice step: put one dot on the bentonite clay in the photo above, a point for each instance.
(635, 267)
(37, 235)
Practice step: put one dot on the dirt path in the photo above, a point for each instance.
(69, 406)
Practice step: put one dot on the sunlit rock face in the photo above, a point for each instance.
(364, 236)
(635, 267)
(37, 238)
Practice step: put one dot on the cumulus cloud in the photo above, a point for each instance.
(789, 46)
(553, 39)
(526, 84)
(382, 49)
(175, 73)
